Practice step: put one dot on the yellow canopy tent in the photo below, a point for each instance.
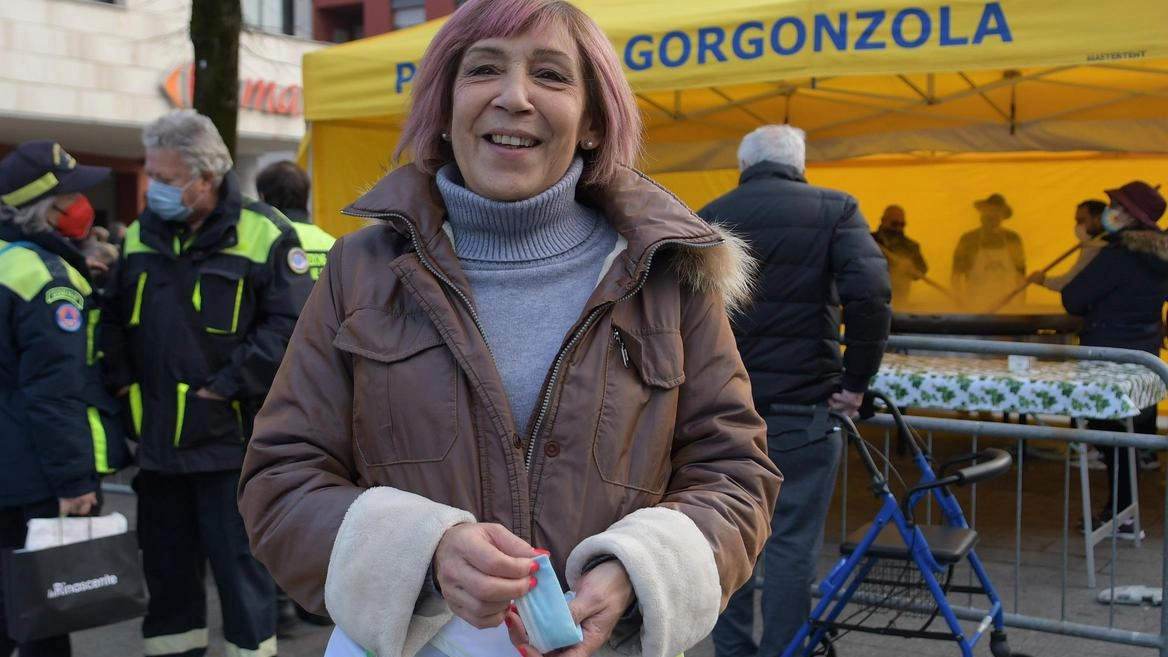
(929, 104)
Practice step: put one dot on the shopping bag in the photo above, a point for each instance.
(73, 587)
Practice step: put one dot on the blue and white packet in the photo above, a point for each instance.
(545, 612)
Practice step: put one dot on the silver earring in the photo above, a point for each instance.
(588, 144)
(446, 136)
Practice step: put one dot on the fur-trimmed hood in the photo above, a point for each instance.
(1148, 241)
(648, 216)
(729, 269)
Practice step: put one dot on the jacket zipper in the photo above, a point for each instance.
(550, 386)
(433, 269)
(621, 345)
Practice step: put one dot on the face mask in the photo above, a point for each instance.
(1109, 223)
(1082, 234)
(166, 201)
(76, 219)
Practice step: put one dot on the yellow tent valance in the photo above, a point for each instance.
(675, 45)
(928, 78)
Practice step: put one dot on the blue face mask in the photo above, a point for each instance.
(166, 201)
(1109, 224)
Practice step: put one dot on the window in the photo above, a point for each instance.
(278, 16)
(408, 12)
(340, 24)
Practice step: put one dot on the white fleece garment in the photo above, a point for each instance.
(674, 575)
(386, 542)
(373, 589)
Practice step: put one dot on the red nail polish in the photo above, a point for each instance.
(513, 609)
(522, 650)
(543, 552)
(534, 568)
(531, 582)
(507, 621)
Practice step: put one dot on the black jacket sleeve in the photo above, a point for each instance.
(116, 368)
(865, 292)
(1092, 284)
(51, 341)
(281, 294)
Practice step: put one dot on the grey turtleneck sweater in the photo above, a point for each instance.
(532, 265)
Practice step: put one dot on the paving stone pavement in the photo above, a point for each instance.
(1038, 556)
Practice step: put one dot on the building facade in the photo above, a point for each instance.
(91, 74)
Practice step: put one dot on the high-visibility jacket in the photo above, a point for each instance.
(316, 243)
(59, 430)
(211, 309)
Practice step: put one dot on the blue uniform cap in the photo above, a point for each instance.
(37, 169)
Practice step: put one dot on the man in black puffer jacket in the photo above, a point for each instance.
(817, 257)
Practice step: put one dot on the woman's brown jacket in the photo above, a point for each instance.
(388, 423)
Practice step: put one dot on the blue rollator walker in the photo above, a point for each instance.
(895, 568)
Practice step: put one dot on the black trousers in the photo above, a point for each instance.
(184, 522)
(13, 530)
(1116, 459)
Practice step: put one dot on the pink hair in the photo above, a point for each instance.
(611, 103)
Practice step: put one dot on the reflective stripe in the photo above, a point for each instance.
(23, 271)
(136, 407)
(267, 648)
(133, 242)
(171, 644)
(255, 234)
(78, 280)
(316, 243)
(136, 316)
(197, 295)
(30, 191)
(234, 312)
(182, 410)
(97, 431)
(91, 354)
(238, 417)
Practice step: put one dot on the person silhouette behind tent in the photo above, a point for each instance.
(905, 262)
(989, 262)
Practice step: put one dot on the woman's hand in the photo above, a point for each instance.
(207, 393)
(602, 596)
(480, 569)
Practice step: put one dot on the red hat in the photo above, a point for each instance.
(1141, 200)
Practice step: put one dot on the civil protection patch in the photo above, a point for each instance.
(55, 294)
(297, 260)
(68, 317)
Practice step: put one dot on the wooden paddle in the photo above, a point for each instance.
(917, 275)
(1018, 290)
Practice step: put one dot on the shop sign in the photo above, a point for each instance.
(255, 94)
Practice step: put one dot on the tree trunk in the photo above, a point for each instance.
(215, 27)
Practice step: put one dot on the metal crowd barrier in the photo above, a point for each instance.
(1025, 432)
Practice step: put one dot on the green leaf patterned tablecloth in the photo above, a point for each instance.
(1078, 388)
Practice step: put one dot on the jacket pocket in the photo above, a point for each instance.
(217, 298)
(200, 421)
(405, 387)
(634, 434)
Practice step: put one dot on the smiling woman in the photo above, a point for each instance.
(546, 367)
(519, 113)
